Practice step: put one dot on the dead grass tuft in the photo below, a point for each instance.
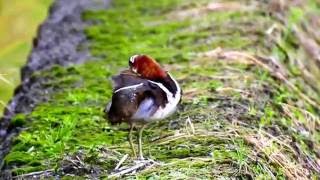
(2, 78)
(208, 8)
(309, 122)
(276, 150)
(272, 65)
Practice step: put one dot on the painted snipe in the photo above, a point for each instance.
(145, 93)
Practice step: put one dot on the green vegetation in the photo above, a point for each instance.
(247, 121)
(18, 23)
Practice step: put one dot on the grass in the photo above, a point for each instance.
(247, 121)
(18, 23)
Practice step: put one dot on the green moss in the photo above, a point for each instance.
(18, 158)
(18, 121)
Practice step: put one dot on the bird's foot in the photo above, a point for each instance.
(138, 165)
(146, 161)
(140, 158)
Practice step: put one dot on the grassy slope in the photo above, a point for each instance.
(247, 121)
(18, 23)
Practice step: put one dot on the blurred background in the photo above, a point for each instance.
(19, 20)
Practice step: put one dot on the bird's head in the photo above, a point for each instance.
(146, 67)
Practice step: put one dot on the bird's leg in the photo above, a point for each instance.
(130, 140)
(140, 142)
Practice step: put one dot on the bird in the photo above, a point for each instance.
(142, 94)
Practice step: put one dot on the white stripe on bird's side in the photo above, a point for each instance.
(129, 87)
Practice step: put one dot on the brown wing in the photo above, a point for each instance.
(126, 78)
(126, 102)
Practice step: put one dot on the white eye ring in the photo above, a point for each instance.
(132, 58)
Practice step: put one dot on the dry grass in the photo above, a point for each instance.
(211, 7)
(276, 150)
(6, 81)
(308, 121)
(270, 64)
(3, 79)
